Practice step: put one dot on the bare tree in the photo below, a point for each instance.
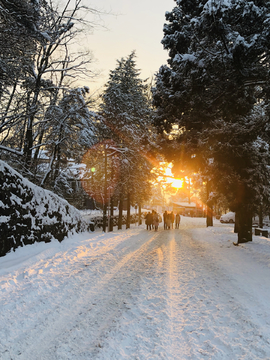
(31, 97)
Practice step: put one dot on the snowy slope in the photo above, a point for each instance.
(138, 294)
(29, 213)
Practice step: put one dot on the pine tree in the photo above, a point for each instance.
(126, 111)
(217, 74)
(125, 105)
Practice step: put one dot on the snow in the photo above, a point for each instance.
(138, 294)
(184, 57)
(46, 211)
(212, 7)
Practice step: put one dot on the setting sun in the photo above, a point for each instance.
(168, 177)
(177, 183)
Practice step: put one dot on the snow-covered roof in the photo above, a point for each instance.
(185, 204)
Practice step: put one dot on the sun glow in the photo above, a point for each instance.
(177, 183)
(168, 177)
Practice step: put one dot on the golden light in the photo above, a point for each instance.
(167, 177)
(177, 183)
(168, 171)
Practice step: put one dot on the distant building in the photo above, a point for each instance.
(188, 209)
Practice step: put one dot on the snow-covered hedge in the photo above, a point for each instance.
(98, 220)
(29, 213)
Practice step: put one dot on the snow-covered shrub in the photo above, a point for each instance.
(29, 213)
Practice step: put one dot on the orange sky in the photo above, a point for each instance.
(138, 26)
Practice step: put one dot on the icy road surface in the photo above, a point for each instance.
(137, 294)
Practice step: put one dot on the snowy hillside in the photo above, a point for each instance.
(30, 213)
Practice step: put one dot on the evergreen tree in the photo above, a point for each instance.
(217, 74)
(126, 113)
(125, 105)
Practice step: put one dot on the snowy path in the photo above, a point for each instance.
(136, 294)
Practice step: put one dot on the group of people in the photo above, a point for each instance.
(152, 220)
(169, 218)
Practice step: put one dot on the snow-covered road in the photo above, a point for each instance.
(137, 294)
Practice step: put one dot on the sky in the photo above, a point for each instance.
(131, 25)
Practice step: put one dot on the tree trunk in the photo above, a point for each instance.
(209, 216)
(37, 151)
(120, 217)
(128, 212)
(245, 225)
(28, 139)
(31, 113)
(260, 217)
(236, 224)
(104, 217)
(57, 162)
(105, 190)
(28, 145)
(209, 208)
(49, 170)
(10, 100)
(111, 216)
(140, 214)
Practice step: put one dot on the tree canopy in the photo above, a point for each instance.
(40, 107)
(216, 89)
(126, 113)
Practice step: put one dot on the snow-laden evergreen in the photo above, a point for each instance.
(216, 88)
(218, 53)
(125, 125)
(125, 104)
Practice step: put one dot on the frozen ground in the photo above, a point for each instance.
(137, 294)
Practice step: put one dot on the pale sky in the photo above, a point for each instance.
(138, 26)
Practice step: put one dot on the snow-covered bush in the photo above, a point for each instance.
(98, 220)
(29, 213)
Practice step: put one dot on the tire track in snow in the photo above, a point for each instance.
(151, 296)
(139, 332)
(45, 293)
(79, 329)
(178, 343)
(206, 321)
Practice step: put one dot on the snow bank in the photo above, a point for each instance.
(30, 213)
